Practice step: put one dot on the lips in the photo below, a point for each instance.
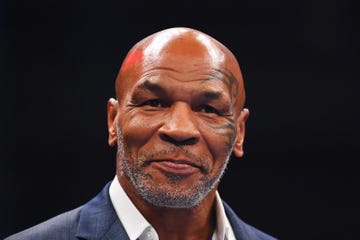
(180, 167)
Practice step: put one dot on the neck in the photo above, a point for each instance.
(184, 224)
(178, 224)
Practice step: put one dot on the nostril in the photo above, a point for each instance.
(190, 141)
(166, 138)
(179, 142)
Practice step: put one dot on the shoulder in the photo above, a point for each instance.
(62, 226)
(94, 218)
(243, 230)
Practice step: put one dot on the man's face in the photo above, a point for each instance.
(176, 129)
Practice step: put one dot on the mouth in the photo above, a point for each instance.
(176, 167)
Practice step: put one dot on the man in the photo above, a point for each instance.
(178, 116)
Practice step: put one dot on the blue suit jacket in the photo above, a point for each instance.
(97, 219)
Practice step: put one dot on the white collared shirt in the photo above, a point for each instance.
(137, 227)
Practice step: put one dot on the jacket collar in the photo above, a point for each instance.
(98, 219)
(243, 230)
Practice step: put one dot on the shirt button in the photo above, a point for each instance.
(149, 236)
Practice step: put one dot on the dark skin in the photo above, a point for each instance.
(178, 89)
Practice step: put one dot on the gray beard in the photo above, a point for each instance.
(146, 188)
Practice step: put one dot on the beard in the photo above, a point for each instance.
(171, 194)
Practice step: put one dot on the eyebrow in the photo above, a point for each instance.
(148, 85)
(209, 95)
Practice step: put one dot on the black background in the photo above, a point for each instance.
(298, 178)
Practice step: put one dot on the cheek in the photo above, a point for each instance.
(219, 149)
(137, 130)
(219, 139)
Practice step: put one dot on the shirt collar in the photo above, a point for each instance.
(223, 230)
(137, 227)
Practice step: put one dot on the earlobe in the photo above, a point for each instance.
(112, 109)
(238, 146)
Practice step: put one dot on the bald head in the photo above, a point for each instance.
(184, 51)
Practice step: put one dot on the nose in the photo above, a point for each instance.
(179, 127)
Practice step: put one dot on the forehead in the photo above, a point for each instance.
(210, 84)
(168, 77)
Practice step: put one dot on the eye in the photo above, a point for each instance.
(208, 109)
(153, 103)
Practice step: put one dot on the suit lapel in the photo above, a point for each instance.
(241, 230)
(98, 219)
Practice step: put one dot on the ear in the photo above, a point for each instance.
(112, 109)
(238, 147)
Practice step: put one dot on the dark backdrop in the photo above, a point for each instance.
(298, 179)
